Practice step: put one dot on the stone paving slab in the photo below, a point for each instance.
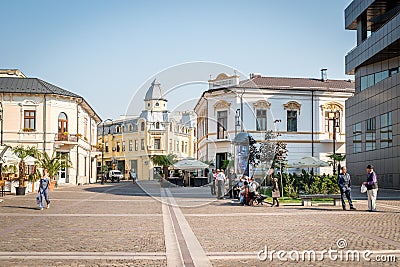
(83, 263)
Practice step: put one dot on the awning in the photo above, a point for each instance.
(307, 162)
(190, 164)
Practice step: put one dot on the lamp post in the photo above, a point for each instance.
(334, 116)
(102, 151)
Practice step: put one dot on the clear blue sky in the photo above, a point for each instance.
(106, 50)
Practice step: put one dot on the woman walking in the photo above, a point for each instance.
(275, 192)
(44, 190)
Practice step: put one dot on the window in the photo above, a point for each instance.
(261, 119)
(177, 145)
(170, 145)
(186, 146)
(357, 138)
(142, 126)
(386, 130)
(157, 143)
(370, 134)
(130, 145)
(136, 145)
(157, 125)
(123, 128)
(106, 145)
(222, 119)
(183, 147)
(292, 120)
(62, 126)
(117, 129)
(30, 119)
(130, 128)
(142, 144)
(123, 146)
(118, 146)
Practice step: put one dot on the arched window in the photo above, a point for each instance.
(157, 125)
(62, 126)
(130, 128)
(142, 126)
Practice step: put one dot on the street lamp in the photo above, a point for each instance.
(239, 112)
(102, 151)
(335, 117)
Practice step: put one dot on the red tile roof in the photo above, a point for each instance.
(298, 84)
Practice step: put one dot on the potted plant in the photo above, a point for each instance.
(33, 177)
(22, 153)
(53, 164)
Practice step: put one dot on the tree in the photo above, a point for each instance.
(337, 158)
(53, 164)
(22, 153)
(165, 161)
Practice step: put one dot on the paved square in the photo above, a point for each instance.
(145, 225)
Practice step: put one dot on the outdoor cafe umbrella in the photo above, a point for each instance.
(307, 162)
(190, 164)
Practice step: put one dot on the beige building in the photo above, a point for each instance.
(40, 114)
(130, 141)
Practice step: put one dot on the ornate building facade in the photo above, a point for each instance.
(130, 142)
(52, 119)
(298, 109)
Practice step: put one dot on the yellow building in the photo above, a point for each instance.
(130, 141)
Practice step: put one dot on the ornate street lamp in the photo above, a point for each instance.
(335, 117)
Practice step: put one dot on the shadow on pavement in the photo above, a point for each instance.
(20, 207)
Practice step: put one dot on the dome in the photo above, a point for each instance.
(155, 92)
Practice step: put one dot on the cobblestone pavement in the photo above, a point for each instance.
(142, 225)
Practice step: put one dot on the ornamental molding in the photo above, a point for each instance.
(292, 105)
(222, 104)
(262, 104)
(332, 106)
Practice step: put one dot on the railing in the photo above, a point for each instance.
(66, 137)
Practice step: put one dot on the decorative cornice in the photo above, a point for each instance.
(262, 104)
(222, 104)
(333, 106)
(292, 105)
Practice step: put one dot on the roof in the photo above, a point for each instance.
(37, 86)
(298, 84)
(31, 86)
(155, 91)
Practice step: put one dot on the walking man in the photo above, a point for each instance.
(344, 183)
(372, 188)
(220, 184)
(211, 181)
(232, 178)
(44, 190)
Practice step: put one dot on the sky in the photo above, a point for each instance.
(110, 51)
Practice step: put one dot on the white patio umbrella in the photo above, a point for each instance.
(190, 164)
(308, 162)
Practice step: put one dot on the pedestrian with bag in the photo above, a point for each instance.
(275, 192)
(344, 183)
(372, 188)
(44, 190)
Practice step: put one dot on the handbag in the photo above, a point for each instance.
(38, 198)
(363, 189)
(276, 193)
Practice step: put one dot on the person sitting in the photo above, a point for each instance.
(244, 193)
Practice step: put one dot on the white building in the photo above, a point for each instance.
(297, 108)
(37, 113)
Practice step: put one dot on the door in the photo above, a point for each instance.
(63, 173)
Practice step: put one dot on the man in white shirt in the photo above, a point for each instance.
(220, 184)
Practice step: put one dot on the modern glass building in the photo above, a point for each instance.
(373, 113)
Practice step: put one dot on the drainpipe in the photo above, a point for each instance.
(77, 147)
(312, 123)
(44, 122)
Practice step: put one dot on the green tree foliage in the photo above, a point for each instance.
(53, 164)
(22, 153)
(165, 161)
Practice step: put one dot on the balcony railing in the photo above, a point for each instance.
(66, 137)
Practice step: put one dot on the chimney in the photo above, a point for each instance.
(255, 75)
(324, 75)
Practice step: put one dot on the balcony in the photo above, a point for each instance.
(66, 138)
(381, 45)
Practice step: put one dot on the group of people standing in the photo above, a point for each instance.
(245, 188)
(344, 183)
